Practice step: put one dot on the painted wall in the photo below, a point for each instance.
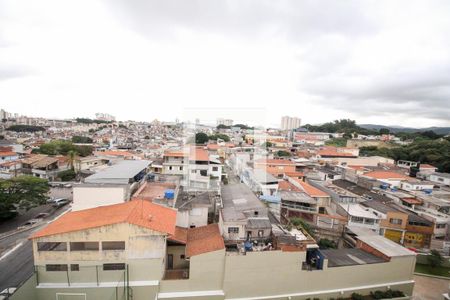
(90, 197)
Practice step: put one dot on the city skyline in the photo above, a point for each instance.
(373, 63)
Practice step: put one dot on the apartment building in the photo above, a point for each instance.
(289, 123)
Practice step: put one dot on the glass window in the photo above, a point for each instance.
(215, 169)
(52, 246)
(74, 267)
(113, 245)
(51, 268)
(83, 246)
(233, 229)
(395, 221)
(113, 267)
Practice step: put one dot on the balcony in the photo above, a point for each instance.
(176, 274)
(298, 206)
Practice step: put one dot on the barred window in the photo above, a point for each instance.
(83, 246)
(52, 246)
(113, 245)
(52, 268)
(113, 267)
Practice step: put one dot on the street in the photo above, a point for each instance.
(16, 255)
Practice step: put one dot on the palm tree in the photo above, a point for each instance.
(71, 157)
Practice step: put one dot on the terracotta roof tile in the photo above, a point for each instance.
(203, 239)
(138, 212)
(385, 175)
(309, 189)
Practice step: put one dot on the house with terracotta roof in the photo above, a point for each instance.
(42, 166)
(276, 167)
(390, 178)
(135, 246)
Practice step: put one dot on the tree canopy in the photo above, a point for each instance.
(22, 192)
(434, 152)
(77, 139)
(221, 136)
(63, 148)
(25, 128)
(201, 138)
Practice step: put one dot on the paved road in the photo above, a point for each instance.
(16, 260)
(428, 288)
(17, 266)
(32, 213)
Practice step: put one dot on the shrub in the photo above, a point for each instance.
(67, 175)
(356, 296)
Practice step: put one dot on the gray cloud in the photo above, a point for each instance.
(10, 72)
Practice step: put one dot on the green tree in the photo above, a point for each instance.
(82, 139)
(221, 136)
(435, 259)
(22, 192)
(67, 175)
(283, 153)
(384, 131)
(201, 138)
(25, 128)
(267, 144)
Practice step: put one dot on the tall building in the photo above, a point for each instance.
(105, 117)
(226, 122)
(288, 123)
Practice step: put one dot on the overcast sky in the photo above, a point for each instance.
(383, 62)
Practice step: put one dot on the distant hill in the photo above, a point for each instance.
(395, 129)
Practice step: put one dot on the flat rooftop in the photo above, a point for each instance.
(154, 190)
(385, 246)
(120, 172)
(349, 257)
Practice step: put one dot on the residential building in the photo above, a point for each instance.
(243, 216)
(115, 184)
(289, 123)
(441, 178)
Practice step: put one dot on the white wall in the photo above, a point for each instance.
(90, 197)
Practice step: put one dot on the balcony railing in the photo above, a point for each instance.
(299, 207)
(176, 274)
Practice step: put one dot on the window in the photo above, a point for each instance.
(83, 246)
(181, 168)
(52, 268)
(233, 229)
(114, 245)
(357, 219)
(203, 173)
(170, 168)
(52, 246)
(260, 233)
(74, 267)
(395, 221)
(215, 169)
(182, 256)
(440, 225)
(113, 267)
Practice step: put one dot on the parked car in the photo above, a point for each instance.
(60, 202)
(50, 200)
(41, 215)
(28, 223)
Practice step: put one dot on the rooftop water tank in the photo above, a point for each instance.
(169, 194)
